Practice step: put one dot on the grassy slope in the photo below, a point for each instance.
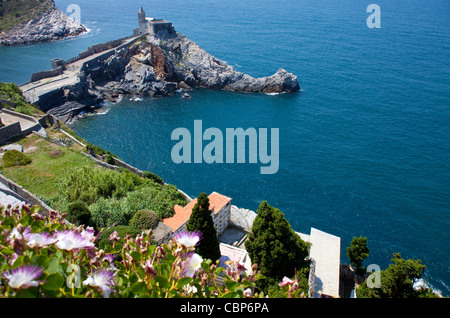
(15, 12)
(41, 176)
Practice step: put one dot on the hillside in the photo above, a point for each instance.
(33, 21)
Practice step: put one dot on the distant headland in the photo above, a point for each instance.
(155, 61)
(34, 21)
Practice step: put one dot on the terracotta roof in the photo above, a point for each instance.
(217, 201)
(179, 218)
(182, 214)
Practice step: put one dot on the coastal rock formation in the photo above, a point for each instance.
(47, 25)
(153, 65)
(160, 66)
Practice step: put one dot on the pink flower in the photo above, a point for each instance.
(23, 276)
(71, 240)
(114, 237)
(149, 269)
(188, 239)
(40, 240)
(285, 282)
(102, 279)
(88, 234)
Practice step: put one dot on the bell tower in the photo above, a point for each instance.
(141, 15)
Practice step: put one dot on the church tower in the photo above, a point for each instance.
(141, 15)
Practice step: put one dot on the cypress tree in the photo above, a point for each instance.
(274, 246)
(201, 221)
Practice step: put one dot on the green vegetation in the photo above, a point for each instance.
(15, 12)
(78, 213)
(275, 247)
(397, 281)
(122, 232)
(144, 220)
(201, 221)
(357, 252)
(15, 158)
(69, 181)
(11, 93)
(113, 196)
(152, 176)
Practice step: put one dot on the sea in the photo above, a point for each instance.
(364, 147)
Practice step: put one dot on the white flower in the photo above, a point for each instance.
(88, 234)
(192, 264)
(71, 240)
(23, 276)
(101, 279)
(40, 240)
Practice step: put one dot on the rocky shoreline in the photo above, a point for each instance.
(161, 66)
(50, 26)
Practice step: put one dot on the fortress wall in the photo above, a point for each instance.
(45, 74)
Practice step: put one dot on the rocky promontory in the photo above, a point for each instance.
(35, 21)
(161, 66)
(154, 65)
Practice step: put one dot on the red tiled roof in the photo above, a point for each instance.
(182, 214)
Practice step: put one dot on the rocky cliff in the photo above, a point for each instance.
(159, 66)
(156, 66)
(34, 22)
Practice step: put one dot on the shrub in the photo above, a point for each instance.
(152, 176)
(15, 158)
(110, 160)
(78, 213)
(144, 220)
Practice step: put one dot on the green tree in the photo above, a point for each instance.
(397, 281)
(358, 251)
(275, 247)
(201, 221)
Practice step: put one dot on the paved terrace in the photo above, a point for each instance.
(8, 119)
(33, 90)
(326, 251)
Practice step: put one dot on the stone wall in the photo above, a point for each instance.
(26, 195)
(15, 129)
(45, 74)
(9, 132)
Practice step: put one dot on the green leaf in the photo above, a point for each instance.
(231, 295)
(136, 256)
(139, 288)
(40, 260)
(53, 282)
(54, 266)
(231, 285)
(162, 281)
(183, 282)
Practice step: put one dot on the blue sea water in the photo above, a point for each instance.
(364, 147)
